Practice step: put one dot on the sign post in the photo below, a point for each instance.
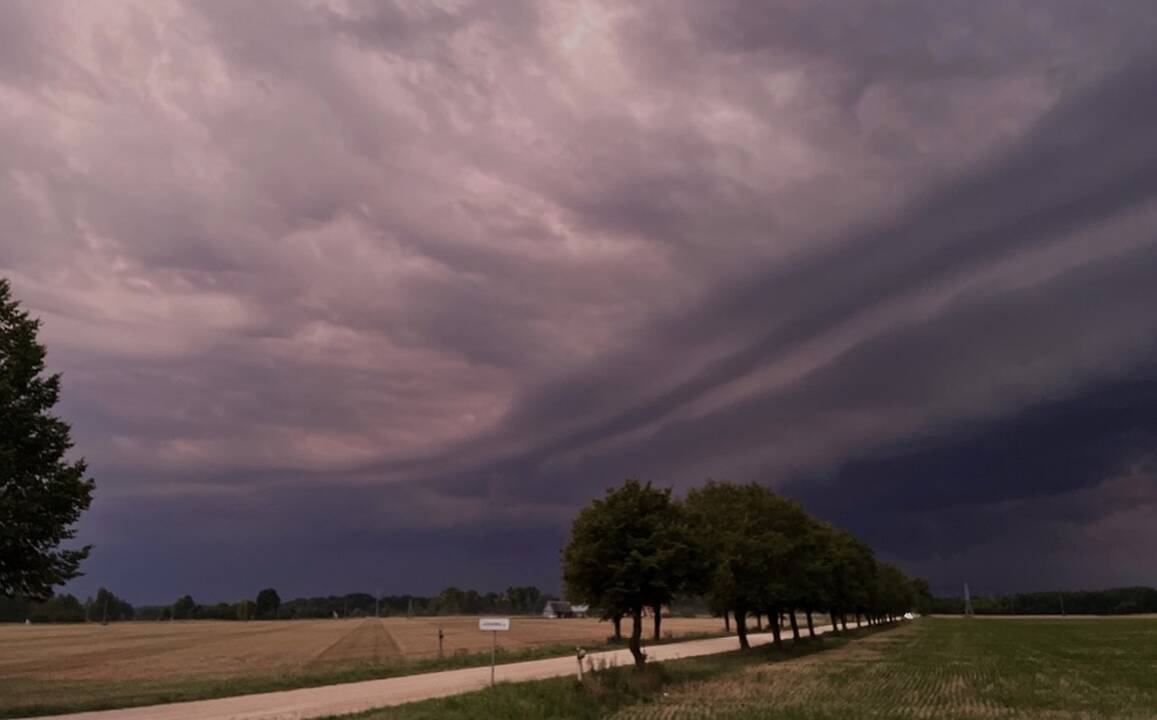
(493, 625)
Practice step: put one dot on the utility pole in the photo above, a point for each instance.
(1062, 596)
(378, 604)
(967, 601)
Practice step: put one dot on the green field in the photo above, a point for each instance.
(933, 668)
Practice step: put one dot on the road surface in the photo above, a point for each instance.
(361, 696)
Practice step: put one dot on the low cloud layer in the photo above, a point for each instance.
(352, 295)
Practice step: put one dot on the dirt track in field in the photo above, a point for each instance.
(368, 641)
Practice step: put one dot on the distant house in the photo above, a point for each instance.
(558, 609)
(580, 611)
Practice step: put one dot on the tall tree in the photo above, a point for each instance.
(807, 566)
(628, 550)
(107, 607)
(894, 596)
(786, 528)
(734, 523)
(267, 603)
(41, 494)
(852, 576)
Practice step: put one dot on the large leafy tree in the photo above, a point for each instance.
(787, 558)
(853, 576)
(802, 570)
(628, 551)
(41, 494)
(894, 596)
(744, 547)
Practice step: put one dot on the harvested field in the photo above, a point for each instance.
(60, 667)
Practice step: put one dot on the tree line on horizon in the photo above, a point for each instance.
(452, 600)
(515, 600)
(105, 607)
(1112, 601)
(747, 550)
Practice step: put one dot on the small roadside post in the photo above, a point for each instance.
(494, 625)
(580, 654)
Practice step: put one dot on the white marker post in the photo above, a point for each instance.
(493, 625)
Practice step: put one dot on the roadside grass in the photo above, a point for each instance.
(934, 668)
(605, 690)
(29, 696)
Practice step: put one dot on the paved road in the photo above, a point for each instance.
(360, 696)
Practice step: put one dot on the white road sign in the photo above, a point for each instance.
(493, 623)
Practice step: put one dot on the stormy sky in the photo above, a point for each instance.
(374, 296)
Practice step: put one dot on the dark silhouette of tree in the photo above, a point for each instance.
(894, 594)
(268, 601)
(185, 608)
(924, 600)
(41, 494)
(107, 607)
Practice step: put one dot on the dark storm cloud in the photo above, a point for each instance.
(1086, 163)
(1066, 485)
(338, 278)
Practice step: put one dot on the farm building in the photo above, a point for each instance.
(558, 609)
(563, 609)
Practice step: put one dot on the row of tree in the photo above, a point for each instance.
(1114, 601)
(517, 600)
(268, 605)
(748, 551)
(104, 607)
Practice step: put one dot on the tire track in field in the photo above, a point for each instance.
(368, 641)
